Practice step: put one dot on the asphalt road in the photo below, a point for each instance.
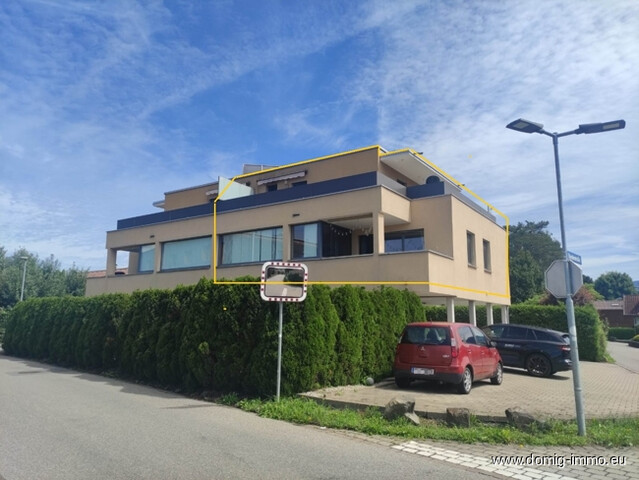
(60, 424)
(625, 356)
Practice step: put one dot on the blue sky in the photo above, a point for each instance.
(106, 105)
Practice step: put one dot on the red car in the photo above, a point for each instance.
(456, 353)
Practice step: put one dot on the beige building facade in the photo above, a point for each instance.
(365, 217)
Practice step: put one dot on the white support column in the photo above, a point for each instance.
(112, 255)
(286, 243)
(450, 309)
(489, 314)
(472, 312)
(157, 259)
(505, 314)
(378, 233)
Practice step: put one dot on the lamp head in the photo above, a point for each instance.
(601, 127)
(525, 126)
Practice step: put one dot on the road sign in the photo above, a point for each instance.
(284, 282)
(573, 257)
(556, 278)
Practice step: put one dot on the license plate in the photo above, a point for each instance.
(422, 371)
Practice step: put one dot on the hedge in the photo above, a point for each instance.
(219, 337)
(591, 336)
(621, 333)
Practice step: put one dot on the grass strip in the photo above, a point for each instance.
(608, 433)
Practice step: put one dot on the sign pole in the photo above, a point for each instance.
(279, 353)
(283, 282)
(570, 310)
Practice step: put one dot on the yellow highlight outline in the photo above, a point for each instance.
(328, 282)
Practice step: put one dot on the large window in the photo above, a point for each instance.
(146, 262)
(191, 253)
(305, 240)
(255, 246)
(320, 239)
(470, 247)
(404, 241)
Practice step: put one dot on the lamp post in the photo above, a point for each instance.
(526, 126)
(24, 276)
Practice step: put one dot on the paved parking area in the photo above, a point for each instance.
(609, 391)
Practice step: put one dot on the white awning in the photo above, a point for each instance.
(290, 176)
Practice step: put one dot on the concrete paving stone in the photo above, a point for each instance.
(505, 473)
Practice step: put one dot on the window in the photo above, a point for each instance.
(365, 244)
(320, 239)
(305, 240)
(298, 184)
(404, 241)
(480, 338)
(272, 187)
(426, 335)
(254, 246)
(336, 240)
(191, 253)
(466, 335)
(146, 262)
(470, 247)
(487, 262)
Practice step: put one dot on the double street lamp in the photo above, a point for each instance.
(527, 126)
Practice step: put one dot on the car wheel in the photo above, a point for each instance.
(499, 375)
(538, 365)
(402, 382)
(466, 383)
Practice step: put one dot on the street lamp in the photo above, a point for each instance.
(527, 126)
(24, 276)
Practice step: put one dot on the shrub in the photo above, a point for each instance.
(620, 333)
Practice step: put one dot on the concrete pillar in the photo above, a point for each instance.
(450, 309)
(286, 243)
(489, 314)
(157, 262)
(472, 312)
(112, 256)
(378, 233)
(505, 314)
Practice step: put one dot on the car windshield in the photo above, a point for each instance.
(425, 335)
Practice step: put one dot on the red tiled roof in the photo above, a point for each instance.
(631, 305)
(608, 305)
(102, 273)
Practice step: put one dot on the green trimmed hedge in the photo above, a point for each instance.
(591, 336)
(221, 337)
(621, 333)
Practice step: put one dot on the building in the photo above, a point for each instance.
(367, 216)
(623, 312)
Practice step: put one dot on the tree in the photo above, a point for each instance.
(44, 278)
(532, 250)
(526, 278)
(614, 285)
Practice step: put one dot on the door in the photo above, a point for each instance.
(473, 351)
(489, 356)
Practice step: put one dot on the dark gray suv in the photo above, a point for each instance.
(541, 351)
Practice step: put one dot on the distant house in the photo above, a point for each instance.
(619, 313)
